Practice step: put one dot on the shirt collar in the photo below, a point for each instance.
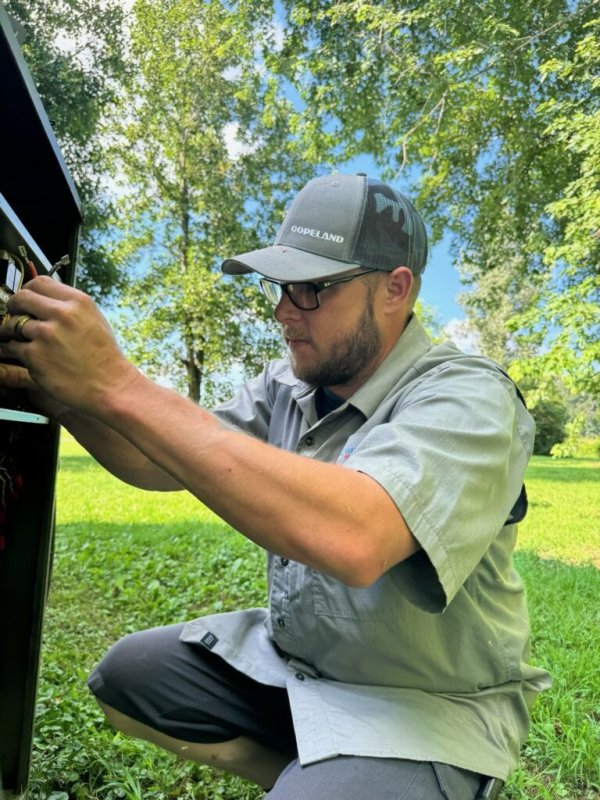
(411, 345)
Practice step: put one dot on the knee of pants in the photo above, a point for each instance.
(116, 668)
(128, 664)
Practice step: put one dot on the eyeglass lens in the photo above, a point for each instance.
(302, 295)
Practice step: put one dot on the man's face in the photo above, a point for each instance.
(339, 344)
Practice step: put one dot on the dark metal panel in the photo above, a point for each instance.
(39, 209)
(35, 180)
(14, 234)
(24, 570)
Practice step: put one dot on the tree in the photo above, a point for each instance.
(571, 299)
(74, 51)
(208, 163)
(490, 111)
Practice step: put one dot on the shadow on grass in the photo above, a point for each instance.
(162, 533)
(563, 598)
(77, 464)
(567, 471)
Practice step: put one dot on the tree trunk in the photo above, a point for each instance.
(194, 364)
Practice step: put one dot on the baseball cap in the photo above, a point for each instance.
(338, 222)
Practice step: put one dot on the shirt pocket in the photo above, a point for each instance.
(382, 601)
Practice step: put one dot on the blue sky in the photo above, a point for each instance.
(441, 284)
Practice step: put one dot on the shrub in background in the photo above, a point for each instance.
(582, 437)
(550, 424)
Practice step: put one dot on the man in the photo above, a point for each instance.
(381, 473)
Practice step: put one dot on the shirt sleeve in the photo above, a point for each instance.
(453, 458)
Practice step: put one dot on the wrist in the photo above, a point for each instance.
(125, 390)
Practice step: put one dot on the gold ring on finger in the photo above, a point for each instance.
(19, 325)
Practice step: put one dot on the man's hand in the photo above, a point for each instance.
(67, 347)
(337, 520)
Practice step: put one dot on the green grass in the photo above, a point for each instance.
(559, 556)
(127, 559)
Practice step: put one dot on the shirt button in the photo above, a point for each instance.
(309, 441)
(299, 676)
(281, 622)
(284, 562)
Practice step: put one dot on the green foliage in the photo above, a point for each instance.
(582, 439)
(572, 447)
(428, 317)
(550, 418)
(567, 423)
(75, 54)
(492, 109)
(571, 302)
(208, 162)
(128, 559)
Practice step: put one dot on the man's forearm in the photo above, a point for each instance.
(324, 515)
(329, 517)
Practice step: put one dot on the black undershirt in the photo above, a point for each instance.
(326, 401)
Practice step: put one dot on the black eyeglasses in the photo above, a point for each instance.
(304, 296)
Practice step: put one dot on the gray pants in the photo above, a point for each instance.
(188, 693)
(353, 778)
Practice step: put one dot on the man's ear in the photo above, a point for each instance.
(399, 285)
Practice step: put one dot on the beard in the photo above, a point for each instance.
(347, 356)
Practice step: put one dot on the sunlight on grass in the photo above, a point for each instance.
(564, 510)
(95, 485)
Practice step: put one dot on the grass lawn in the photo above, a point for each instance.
(126, 560)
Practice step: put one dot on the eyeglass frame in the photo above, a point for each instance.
(317, 288)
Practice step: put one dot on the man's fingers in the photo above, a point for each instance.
(19, 327)
(49, 288)
(61, 336)
(12, 376)
(42, 298)
(35, 304)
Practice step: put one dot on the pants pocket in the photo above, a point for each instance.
(456, 783)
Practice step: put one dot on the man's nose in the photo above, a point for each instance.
(285, 309)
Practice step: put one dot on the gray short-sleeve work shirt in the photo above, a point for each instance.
(430, 662)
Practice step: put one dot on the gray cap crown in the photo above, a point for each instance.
(336, 223)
